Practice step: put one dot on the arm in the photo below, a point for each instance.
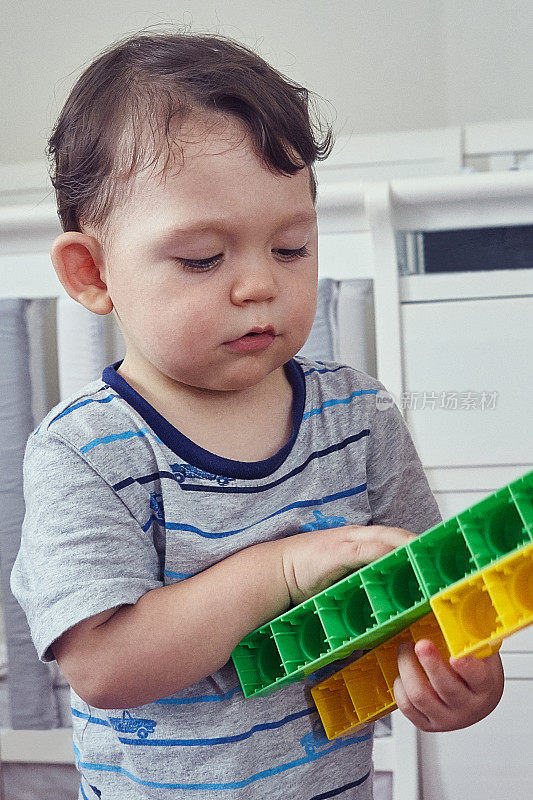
(398, 490)
(175, 635)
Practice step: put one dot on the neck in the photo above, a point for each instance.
(246, 425)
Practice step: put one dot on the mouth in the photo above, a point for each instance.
(258, 331)
(256, 339)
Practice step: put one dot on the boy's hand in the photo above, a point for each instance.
(313, 561)
(437, 696)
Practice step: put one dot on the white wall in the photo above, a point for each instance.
(383, 65)
(488, 55)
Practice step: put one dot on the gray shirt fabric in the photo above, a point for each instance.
(119, 502)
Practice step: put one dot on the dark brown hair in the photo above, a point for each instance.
(146, 81)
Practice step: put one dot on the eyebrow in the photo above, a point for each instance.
(204, 226)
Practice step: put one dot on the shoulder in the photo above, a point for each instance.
(350, 396)
(337, 380)
(91, 438)
(88, 418)
(95, 403)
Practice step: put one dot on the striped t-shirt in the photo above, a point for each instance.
(119, 502)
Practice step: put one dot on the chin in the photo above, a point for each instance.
(248, 376)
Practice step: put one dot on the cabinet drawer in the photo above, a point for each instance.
(454, 351)
(456, 488)
(489, 760)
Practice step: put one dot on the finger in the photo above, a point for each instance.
(388, 533)
(478, 673)
(407, 708)
(370, 542)
(416, 683)
(446, 682)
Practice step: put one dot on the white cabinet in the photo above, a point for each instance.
(490, 760)
(461, 352)
(463, 335)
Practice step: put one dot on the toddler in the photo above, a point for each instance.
(184, 498)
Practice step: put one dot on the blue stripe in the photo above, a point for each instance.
(114, 436)
(333, 448)
(343, 401)
(326, 369)
(180, 576)
(83, 793)
(154, 476)
(229, 785)
(238, 737)
(341, 789)
(179, 526)
(187, 487)
(90, 718)
(75, 407)
(201, 698)
(148, 524)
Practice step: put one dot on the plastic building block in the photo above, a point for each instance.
(359, 612)
(362, 692)
(470, 618)
(480, 611)
(383, 598)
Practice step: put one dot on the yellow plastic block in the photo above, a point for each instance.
(428, 628)
(510, 584)
(362, 692)
(472, 617)
(387, 656)
(335, 707)
(367, 687)
(477, 613)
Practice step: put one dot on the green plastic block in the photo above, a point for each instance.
(300, 637)
(522, 494)
(346, 612)
(258, 663)
(395, 592)
(380, 600)
(441, 556)
(359, 612)
(494, 527)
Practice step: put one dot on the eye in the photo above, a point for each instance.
(201, 264)
(292, 255)
(205, 264)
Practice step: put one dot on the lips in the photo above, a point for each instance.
(255, 340)
(268, 329)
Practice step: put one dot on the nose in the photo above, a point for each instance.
(254, 281)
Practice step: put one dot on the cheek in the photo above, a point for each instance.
(304, 300)
(184, 325)
(301, 313)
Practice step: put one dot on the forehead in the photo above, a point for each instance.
(213, 171)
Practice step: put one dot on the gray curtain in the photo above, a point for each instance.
(31, 695)
(321, 344)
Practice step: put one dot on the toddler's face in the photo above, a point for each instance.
(183, 295)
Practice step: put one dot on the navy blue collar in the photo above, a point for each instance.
(195, 455)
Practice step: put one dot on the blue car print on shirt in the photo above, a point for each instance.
(323, 523)
(156, 504)
(127, 723)
(182, 471)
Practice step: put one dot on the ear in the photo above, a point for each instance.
(79, 264)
